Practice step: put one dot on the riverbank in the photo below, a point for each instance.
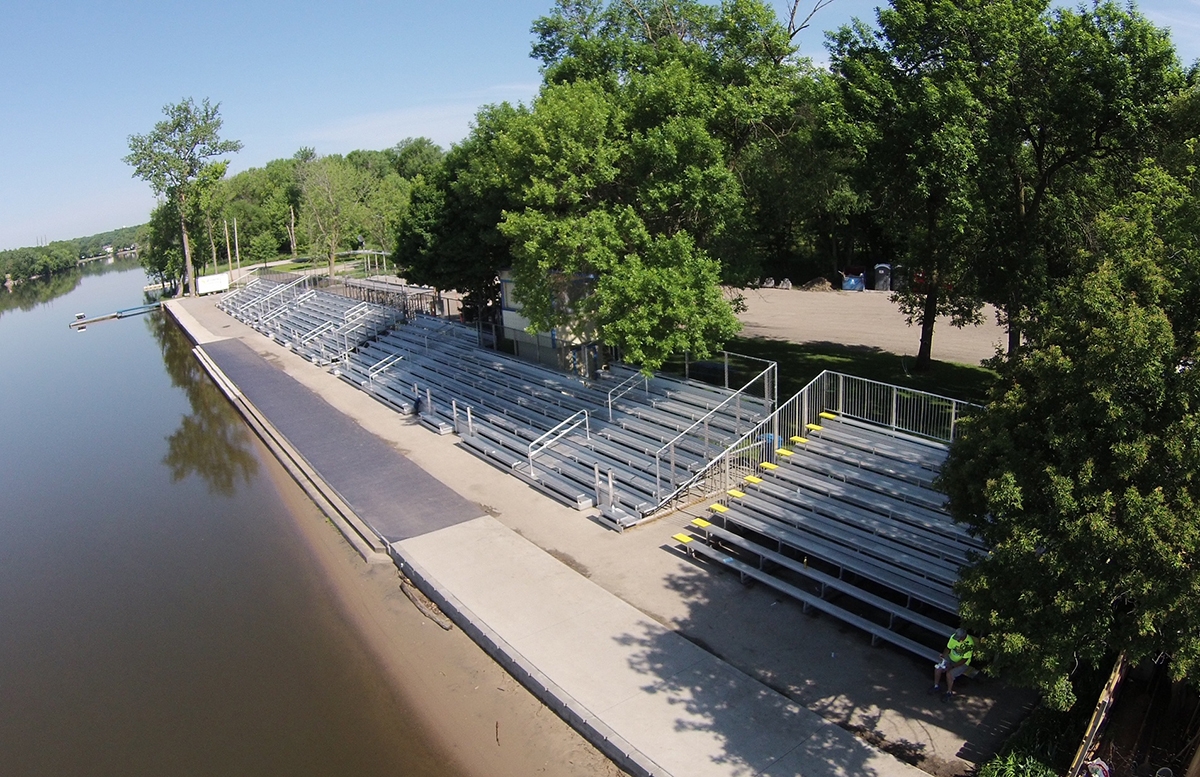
(786, 656)
(473, 710)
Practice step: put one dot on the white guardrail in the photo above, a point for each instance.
(919, 413)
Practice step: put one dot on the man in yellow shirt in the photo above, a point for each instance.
(955, 660)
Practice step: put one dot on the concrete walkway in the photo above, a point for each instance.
(671, 706)
(827, 670)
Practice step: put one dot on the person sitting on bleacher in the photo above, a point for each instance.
(955, 660)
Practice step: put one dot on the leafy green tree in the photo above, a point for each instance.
(1075, 100)
(416, 156)
(176, 155)
(590, 261)
(448, 237)
(161, 249)
(629, 175)
(333, 191)
(1083, 473)
(913, 118)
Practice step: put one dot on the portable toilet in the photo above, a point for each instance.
(883, 277)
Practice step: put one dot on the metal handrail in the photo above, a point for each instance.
(766, 375)
(358, 311)
(276, 292)
(382, 365)
(317, 332)
(792, 417)
(632, 381)
(558, 432)
(279, 311)
(687, 372)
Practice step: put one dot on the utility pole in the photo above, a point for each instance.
(228, 255)
(237, 250)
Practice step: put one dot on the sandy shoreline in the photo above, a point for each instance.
(473, 711)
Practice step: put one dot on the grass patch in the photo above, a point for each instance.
(799, 363)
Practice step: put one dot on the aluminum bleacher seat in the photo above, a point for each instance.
(856, 502)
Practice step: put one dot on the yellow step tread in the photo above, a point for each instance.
(800, 440)
(783, 451)
(828, 415)
(700, 522)
(752, 479)
(684, 538)
(768, 465)
(733, 492)
(718, 508)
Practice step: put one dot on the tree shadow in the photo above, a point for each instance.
(799, 363)
(212, 442)
(825, 702)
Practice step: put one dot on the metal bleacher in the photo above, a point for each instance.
(321, 326)
(622, 442)
(828, 498)
(840, 513)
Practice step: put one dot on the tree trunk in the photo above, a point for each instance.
(928, 319)
(1014, 327)
(212, 242)
(187, 253)
(292, 231)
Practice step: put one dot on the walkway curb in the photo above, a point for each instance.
(619, 750)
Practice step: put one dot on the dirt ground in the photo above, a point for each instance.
(863, 318)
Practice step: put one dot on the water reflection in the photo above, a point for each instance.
(30, 294)
(212, 442)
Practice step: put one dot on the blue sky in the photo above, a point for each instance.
(80, 77)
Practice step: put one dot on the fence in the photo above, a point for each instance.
(667, 488)
(909, 411)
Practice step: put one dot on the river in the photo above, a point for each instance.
(158, 611)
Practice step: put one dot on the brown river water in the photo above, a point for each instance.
(158, 612)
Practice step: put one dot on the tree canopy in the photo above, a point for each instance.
(1082, 473)
(178, 159)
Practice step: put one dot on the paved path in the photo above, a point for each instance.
(654, 701)
(395, 497)
(676, 708)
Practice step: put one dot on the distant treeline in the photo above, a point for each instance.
(21, 264)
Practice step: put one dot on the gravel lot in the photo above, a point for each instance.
(865, 318)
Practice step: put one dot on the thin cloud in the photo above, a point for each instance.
(445, 123)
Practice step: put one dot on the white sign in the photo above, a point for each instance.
(207, 284)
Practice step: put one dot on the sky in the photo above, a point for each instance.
(77, 78)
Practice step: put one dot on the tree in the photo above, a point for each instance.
(604, 236)
(333, 191)
(416, 156)
(1083, 473)
(448, 237)
(629, 174)
(161, 249)
(1075, 100)
(913, 117)
(176, 154)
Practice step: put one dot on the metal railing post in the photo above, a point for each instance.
(596, 470)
